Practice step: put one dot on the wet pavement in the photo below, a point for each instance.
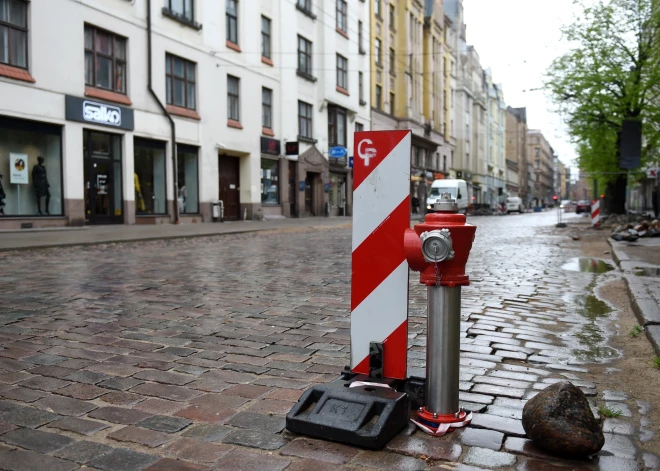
(187, 354)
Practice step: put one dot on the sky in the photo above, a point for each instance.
(517, 40)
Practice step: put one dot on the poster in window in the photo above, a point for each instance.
(18, 169)
(101, 184)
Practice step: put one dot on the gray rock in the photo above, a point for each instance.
(559, 420)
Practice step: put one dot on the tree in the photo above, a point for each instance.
(610, 74)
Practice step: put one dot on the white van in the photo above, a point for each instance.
(514, 205)
(457, 189)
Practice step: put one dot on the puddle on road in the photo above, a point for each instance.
(591, 337)
(648, 271)
(588, 265)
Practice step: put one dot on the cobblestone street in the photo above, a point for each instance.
(187, 354)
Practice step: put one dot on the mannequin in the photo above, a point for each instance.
(3, 195)
(139, 200)
(40, 183)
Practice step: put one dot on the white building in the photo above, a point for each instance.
(114, 99)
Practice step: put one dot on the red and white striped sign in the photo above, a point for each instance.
(595, 213)
(381, 214)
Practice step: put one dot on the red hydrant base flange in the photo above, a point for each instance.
(437, 425)
(438, 419)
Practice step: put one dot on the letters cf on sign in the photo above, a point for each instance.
(87, 111)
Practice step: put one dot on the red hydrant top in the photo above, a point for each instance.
(450, 271)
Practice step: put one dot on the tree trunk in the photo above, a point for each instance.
(615, 196)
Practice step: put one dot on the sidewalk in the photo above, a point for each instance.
(91, 235)
(640, 263)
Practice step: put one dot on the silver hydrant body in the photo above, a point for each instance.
(439, 248)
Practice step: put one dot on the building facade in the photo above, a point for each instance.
(516, 152)
(408, 81)
(161, 107)
(541, 154)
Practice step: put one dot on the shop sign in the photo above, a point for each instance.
(18, 169)
(338, 152)
(292, 148)
(88, 111)
(270, 146)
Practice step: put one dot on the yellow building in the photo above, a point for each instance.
(409, 88)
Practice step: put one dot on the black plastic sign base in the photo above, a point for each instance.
(365, 416)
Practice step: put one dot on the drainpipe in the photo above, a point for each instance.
(175, 180)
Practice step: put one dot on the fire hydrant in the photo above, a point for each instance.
(439, 248)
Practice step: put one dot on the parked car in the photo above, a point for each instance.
(514, 204)
(583, 206)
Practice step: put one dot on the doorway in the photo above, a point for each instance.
(229, 194)
(309, 193)
(103, 178)
(293, 188)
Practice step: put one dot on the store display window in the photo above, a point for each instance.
(188, 179)
(149, 177)
(30, 169)
(270, 177)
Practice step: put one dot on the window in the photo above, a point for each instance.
(187, 179)
(538, 151)
(23, 144)
(378, 8)
(305, 4)
(181, 8)
(379, 97)
(392, 103)
(392, 65)
(444, 163)
(180, 82)
(233, 98)
(305, 120)
(392, 17)
(267, 108)
(341, 16)
(361, 87)
(336, 126)
(149, 177)
(105, 60)
(359, 127)
(304, 56)
(232, 21)
(360, 33)
(13, 33)
(265, 37)
(377, 47)
(342, 72)
(270, 175)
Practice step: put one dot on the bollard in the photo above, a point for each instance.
(595, 214)
(439, 249)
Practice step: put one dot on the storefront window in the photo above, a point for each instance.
(337, 194)
(188, 179)
(149, 177)
(30, 169)
(270, 177)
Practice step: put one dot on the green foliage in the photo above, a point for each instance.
(609, 413)
(656, 362)
(635, 331)
(610, 73)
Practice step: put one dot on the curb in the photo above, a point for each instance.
(164, 237)
(642, 303)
